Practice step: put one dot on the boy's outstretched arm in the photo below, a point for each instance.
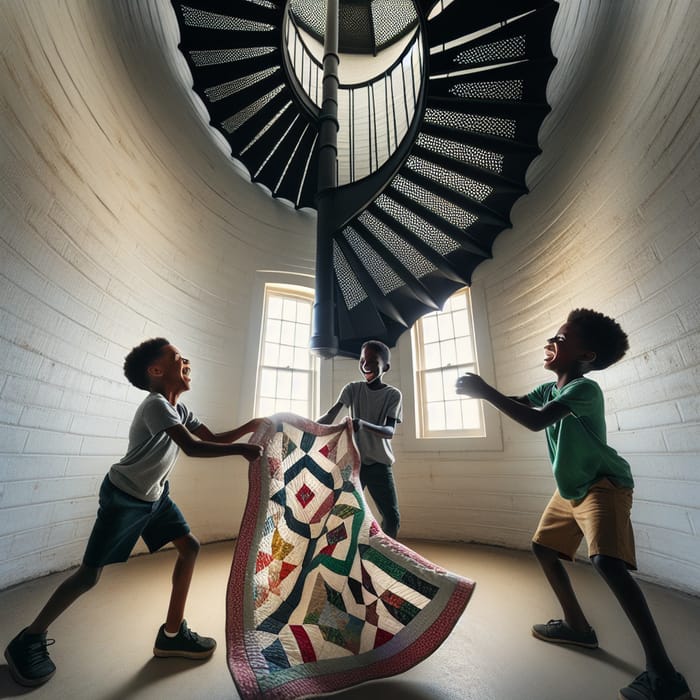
(203, 433)
(194, 446)
(529, 416)
(386, 431)
(328, 417)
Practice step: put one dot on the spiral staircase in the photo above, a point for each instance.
(432, 152)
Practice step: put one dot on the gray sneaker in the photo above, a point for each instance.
(187, 644)
(29, 660)
(650, 686)
(558, 632)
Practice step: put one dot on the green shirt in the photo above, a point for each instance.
(577, 443)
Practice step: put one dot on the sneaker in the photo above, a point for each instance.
(187, 644)
(28, 659)
(649, 686)
(558, 632)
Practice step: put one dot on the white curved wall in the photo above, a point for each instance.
(121, 219)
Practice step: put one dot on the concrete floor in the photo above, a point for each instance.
(104, 643)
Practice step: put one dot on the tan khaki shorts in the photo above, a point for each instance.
(602, 517)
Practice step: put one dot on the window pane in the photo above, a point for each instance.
(302, 358)
(304, 313)
(457, 302)
(271, 354)
(289, 309)
(436, 416)
(284, 384)
(453, 415)
(471, 413)
(302, 335)
(429, 326)
(286, 356)
(448, 352)
(272, 333)
(268, 382)
(434, 390)
(445, 326)
(300, 386)
(274, 307)
(460, 324)
(431, 356)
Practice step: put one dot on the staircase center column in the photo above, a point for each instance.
(324, 341)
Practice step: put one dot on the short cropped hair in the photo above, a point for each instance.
(601, 334)
(380, 348)
(140, 358)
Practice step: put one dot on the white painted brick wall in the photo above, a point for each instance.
(110, 235)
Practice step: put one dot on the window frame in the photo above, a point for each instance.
(267, 282)
(491, 439)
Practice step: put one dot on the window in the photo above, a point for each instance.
(286, 378)
(444, 348)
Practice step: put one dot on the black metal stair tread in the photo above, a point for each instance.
(531, 76)
(488, 177)
(438, 261)
(496, 144)
(200, 38)
(483, 212)
(454, 22)
(208, 76)
(258, 119)
(267, 157)
(462, 236)
(367, 282)
(222, 109)
(269, 11)
(293, 186)
(418, 290)
(507, 109)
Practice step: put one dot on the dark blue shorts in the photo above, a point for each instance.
(122, 519)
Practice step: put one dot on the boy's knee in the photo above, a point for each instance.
(543, 553)
(188, 546)
(86, 577)
(608, 566)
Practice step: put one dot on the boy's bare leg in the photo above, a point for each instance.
(630, 596)
(561, 585)
(187, 551)
(65, 595)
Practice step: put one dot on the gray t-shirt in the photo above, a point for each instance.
(374, 406)
(151, 454)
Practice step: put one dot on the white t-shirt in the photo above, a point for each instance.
(374, 406)
(151, 454)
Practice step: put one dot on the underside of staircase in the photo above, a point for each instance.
(409, 234)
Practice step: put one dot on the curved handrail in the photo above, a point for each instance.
(385, 106)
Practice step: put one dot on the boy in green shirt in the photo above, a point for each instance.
(594, 492)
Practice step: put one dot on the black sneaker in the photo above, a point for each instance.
(558, 632)
(649, 686)
(28, 659)
(187, 644)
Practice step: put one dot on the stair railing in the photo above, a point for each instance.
(374, 116)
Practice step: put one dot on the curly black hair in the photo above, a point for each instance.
(137, 362)
(380, 348)
(601, 334)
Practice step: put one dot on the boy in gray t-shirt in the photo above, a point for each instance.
(375, 409)
(135, 502)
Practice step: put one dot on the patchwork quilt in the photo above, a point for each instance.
(319, 598)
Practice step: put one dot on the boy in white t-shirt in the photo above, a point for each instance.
(135, 502)
(375, 409)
